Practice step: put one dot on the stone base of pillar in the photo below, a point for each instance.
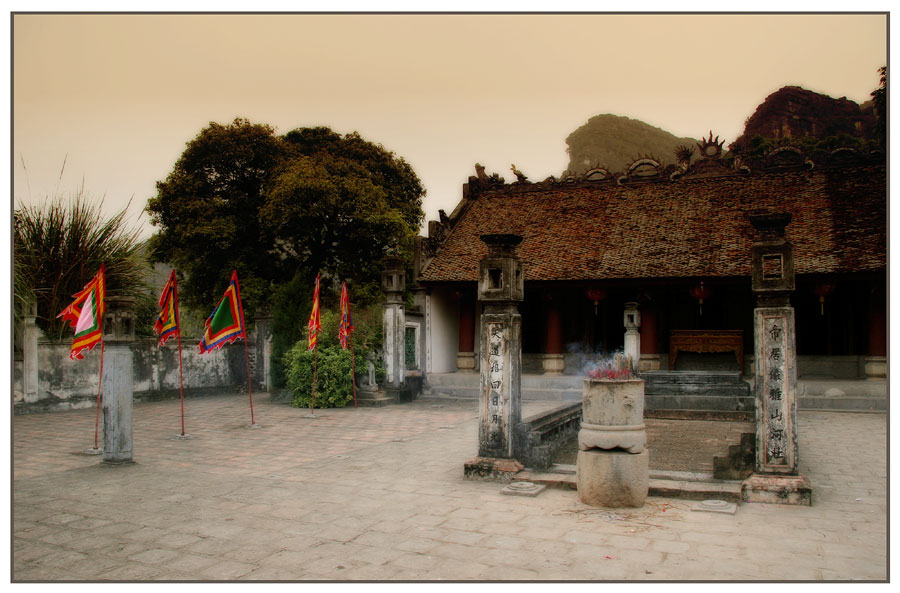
(374, 399)
(649, 362)
(613, 478)
(465, 361)
(493, 469)
(777, 489)
(553, 364)
(876, 368)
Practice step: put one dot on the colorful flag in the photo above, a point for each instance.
(85, 314)
(346, 322)
(314, 326)
(166, 324)
(226, 323)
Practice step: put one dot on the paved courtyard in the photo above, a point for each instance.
(379, 494)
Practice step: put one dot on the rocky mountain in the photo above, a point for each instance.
(614, 142)
(794, 112)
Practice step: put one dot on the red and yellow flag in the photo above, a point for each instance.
(166, 324)
(346, 327)
(314, 326)
(226, 323)
(85, 314)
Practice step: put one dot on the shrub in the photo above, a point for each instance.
(333, 386)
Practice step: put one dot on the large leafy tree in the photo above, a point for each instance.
(208, 212)
(281, 209)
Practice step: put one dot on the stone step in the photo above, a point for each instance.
(843, 403)
(471, 392)
(699, 402)
(687, 485)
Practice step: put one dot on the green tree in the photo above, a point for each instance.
(879, 98)
(59, 246)
(281, 209)
(208, 213)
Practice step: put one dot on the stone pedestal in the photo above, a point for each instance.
(613, 462)
(876, 368)
(118, 388)
(649, 362)
(553, 364)
(613, 478)
(491, 468)
(777, 489)
(465, 362)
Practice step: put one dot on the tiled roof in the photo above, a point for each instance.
(688, 227)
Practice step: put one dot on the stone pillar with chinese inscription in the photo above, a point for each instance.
(776, 478)
(118, 382)
(393, 283)
(500, 288)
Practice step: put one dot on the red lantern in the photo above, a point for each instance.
(700, 292)
(823, 289)
(596, 295)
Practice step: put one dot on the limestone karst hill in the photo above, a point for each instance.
(614, 142)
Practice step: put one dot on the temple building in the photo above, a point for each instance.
(671, 247)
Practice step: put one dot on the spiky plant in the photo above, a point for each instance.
(59, 246)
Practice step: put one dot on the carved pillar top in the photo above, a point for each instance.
(500, 277)
(393, 279)
(118, 319)
(772, 260)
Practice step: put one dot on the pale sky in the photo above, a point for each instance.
(117, 97)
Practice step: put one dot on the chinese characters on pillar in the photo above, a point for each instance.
(496, 347)
(775, 387)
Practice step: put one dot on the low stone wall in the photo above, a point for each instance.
(539, 436)
(67, 384)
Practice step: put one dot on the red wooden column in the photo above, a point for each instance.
(553, 360)
(876, 361)
(465, 357)
(650, 360)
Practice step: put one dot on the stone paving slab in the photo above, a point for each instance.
(378, 494)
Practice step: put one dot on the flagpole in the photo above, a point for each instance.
(352, 371)
(181, 380)
(99, 391)
(249, 380)
(312, 404)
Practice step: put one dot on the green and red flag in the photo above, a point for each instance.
(346, 327)
(314, 326)
(166, 324)
(226, 323)
(85, 314)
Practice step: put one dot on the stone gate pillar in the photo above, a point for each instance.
(30, 334)
(776, 478)
(393, 283)
(118, 386)
(500, 288)
(632, 319)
